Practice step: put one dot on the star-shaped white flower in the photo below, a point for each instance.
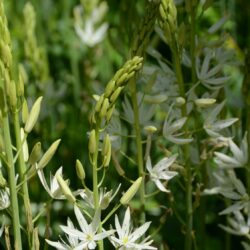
(239, 157)
(127, 237)
(161, 171)
(73, 242)
(88, 235)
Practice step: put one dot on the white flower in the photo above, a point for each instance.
(73, 241)
(127, 237)
(239, 157)
(105, 197)
(4, 198)
(213, 126)
(161, 171)
(88, 235)
(54, 190)
(238, 225)
(170, 128)
(90, 34)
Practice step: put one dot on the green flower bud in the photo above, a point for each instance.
(48, 154)
(131, 192)
(106, 145)
(104, 108)
(110, 88)
(25, 111)
(180, 101)
(122, 79)
(92, 142)
(35, 153)
(115, 95)
(204, 102)
(12, 94)
(6, 55)
(33, 116)
(99, 103)
(80, 170)
(110, 112)
(65, 189)
(3, 181)
(150, 129)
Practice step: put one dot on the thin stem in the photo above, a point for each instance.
(22, 171)
(189, 204)
(12, 181)
(138, 145)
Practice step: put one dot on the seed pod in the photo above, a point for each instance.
(65, 189)
(48, 154)
(80, 170)
(35, 153)
(131, 192)
(104, 107)
(92, 142)
(33, 116)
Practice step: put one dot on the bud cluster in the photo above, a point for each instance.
(106, 102)
(146, 27)
(168, 19)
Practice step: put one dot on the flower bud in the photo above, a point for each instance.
(180, 101)
(35, 153)
(110, 112)
(80, 170)
(204, 102)
(104, 108)
(25, 148)
(48, 154)
(110, 88)
(65, 189)
(122, 79)
(33, 116)
(131, 192)
(92, 142)
(106, 145)
(115, 95)
(150, 129)
(99, 103)
(12, 94)
(6, 54)
(25, 111)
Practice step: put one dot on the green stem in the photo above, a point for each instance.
(95, 177)
(12, 181)
(189, 203)
(22, 171)
(138, 145)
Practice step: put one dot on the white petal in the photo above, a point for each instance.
(81, 220)
(161, 186)
(58, 245)
(126, 222)
(139, 231)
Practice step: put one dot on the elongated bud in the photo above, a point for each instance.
(48, 154)
(20, 86)
(99, 103)
(115, 95)
(24, 146)
(35, 153)
(131, 192)
(25, 111)
(80, 170)
(65, 189)
(110, 112)
(92, 142)
(109, 88)
(150, 129)
(122, 79)
(33, 116)
(104, 108)
(204, 102)
(5, 54)
(106, 145)
(12, 94)
(107, 158)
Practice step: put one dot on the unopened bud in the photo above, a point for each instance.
(12, 94)
(99, 103)
(35, 153)
(122, 79)
(65, 189)
(150, 129)
(115, 95)
(25, 111)
(104, 108)
(92, 142)
(106, 145)
(131, 192)
(110, 112)
(33, 116)
(204, 102)
(24, 146)
(180, 101)
(80, 170)
(110, 88)
(48, 154)
(6, 54)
